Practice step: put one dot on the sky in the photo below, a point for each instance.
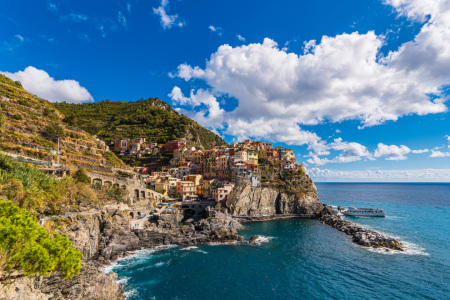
(359, 89)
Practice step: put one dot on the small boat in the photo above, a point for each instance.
(364, 212)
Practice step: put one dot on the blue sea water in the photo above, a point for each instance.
(304, 259)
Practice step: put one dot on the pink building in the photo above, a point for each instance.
(185, 189)
(220, 193)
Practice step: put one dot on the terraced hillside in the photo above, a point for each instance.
(152, 119)
(31, 126)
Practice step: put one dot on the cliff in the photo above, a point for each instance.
(270, 200)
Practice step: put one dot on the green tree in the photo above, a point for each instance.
(28, 248)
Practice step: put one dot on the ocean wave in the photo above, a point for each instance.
(123, 280)
(194, 248)
(410, 249)
(189, 248)
(130, 294)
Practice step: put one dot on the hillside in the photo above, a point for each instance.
(152, 119)
(31, 126)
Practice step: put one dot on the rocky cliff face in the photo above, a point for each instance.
(246, 200)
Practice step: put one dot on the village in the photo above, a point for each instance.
(207, 175)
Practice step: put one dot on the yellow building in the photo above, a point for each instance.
(195, 178)
(252, 157)
(162, 188)
(262, 154)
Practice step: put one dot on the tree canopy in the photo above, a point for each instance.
(27, 247)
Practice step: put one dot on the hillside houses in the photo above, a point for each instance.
(212, 174)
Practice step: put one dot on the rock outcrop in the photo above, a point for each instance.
(249, 201)
(361, 236)
(90, 283)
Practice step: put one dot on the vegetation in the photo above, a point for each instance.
(30, 249)
(152, 119)
(81, 176)
(31, 189)
(2, 121)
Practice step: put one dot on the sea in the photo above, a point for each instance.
(305, 259)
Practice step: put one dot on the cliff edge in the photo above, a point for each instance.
(296, 197)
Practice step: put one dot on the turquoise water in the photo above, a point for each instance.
(304, 259)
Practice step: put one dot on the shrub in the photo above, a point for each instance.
(81, 176)
(54, 130)
(17, 117)
(26, 247)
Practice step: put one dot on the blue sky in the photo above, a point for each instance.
(359, 89)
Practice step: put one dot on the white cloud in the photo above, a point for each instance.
(418, 175)
(338, 131)
(420, 151)
(216, 29)
(240, 37)
(167, 21)
(21, 38)
(210, 115)
(448, 139)
(77, 18)
(344, 77)
(350, 152)
(40, 83)
(437, 153)
(52, 6)
(391, 152)
(121, 18)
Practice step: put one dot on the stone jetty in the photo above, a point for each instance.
(362, 236)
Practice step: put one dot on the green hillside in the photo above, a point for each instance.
(152, 119)
(30, 127)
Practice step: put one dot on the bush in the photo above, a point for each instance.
(54, 130)
(81, 176)
(17, 117)
(23, 102)
(26, 247)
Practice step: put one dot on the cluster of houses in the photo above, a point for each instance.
(210, 174)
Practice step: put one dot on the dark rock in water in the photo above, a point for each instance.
(254, 239)
(361, 236)
(340, 208)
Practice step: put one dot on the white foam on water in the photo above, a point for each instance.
(160, 264)
(223, 244)
(123, 280)
(189, 248)
(410, 249)
(263, 239)
(131, 293)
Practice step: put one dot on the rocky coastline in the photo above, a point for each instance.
(106, 236)
(360, 235)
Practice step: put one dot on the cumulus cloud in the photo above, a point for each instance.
(167, 21)
(350, 152)
(240, 37)
(345, 77)
(437, 153)
(210, 115)
(420, 175)
(40, 83)
(420, 151)
(391, 152)
(216, 29)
